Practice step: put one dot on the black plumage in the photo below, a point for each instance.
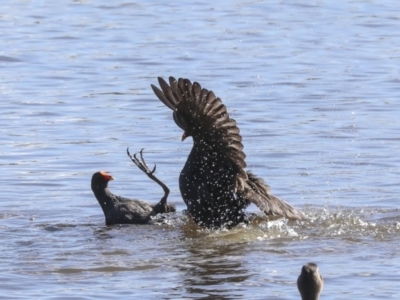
(213, 183)
(121, 210)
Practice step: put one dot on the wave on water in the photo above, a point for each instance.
(322, 222)
(342, 223)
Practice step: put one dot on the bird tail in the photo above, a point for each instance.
(256, 191)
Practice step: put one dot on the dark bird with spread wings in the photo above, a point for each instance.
(213, 183)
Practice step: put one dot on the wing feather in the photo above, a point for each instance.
(256, 191)
(199, 112)
(162, 97)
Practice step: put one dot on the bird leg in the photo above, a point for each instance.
(161, 207)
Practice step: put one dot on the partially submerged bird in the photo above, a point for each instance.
(120, 210)
(213, 183)
(310, 283)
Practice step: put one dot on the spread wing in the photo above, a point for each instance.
(255, 190)
(202, 115)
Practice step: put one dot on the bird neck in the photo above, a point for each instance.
(104, 196)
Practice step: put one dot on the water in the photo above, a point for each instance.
(314, 88)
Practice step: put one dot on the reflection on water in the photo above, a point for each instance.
(212, 273)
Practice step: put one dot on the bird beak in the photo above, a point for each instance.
(184, 136)
(106, 176)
